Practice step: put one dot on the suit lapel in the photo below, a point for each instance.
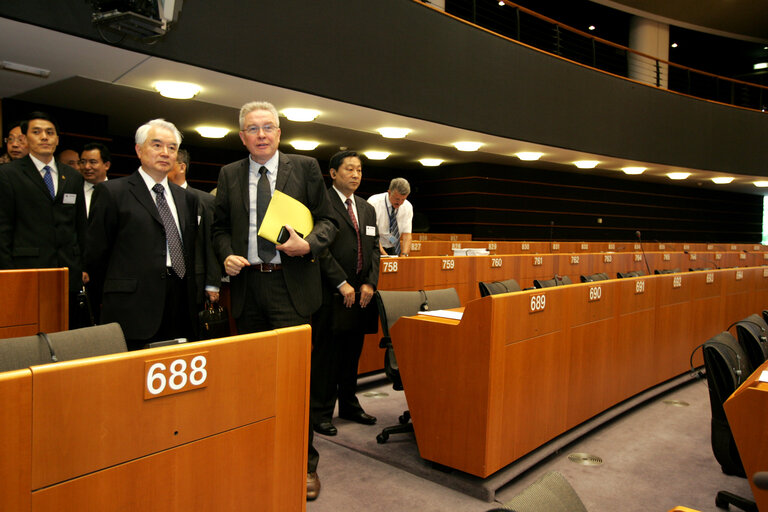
(31, 172)
(341, 208)
(284, 171)
(141, 193)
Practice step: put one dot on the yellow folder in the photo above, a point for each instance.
(285, 210)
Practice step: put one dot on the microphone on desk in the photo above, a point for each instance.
(640, 241)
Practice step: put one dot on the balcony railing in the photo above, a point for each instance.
(548, 35)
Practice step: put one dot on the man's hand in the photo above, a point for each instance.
(366, 294)
(213, 296)
(348, 293)
(86, 278)
(234, 264)
(295, 246)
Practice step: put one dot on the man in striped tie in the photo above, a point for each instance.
(394, 216)
(42, 210)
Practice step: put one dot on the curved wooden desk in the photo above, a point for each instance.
(522, 368)
(225, 430)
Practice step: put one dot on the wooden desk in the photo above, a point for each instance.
(37, 300)
(522, 368)
(747, 411)
(90, 434)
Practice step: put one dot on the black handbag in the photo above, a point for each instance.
(213, 321)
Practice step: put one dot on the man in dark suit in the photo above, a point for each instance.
(207, 267)
(350, 269)
(42, 210)
(141, 244)
(271, 286)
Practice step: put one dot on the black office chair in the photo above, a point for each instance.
(392, 305)
(555, 281)
(699, 269)
(496, 287)
(550, 493)
(26, 351)
(666, 271)
(751, 333)
(600, 276)
(726, 367)
(630, 273)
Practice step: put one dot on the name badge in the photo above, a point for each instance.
(70, 198)
(370, 230)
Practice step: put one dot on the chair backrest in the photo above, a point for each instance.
(550, 493)
(666, 271)
(26, 351)
(631, 273)
(555, 281)
(496, 287)
(600, 276)
(751, 333)
(726, 367)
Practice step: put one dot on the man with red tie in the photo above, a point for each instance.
(350, 271)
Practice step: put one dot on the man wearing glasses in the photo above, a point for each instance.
(272, 286)
(15, 144)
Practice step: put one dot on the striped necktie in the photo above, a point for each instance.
(48, 179)
(394, 231)
(357, 230)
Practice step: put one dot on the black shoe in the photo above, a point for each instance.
(359, 417)
(326, 428)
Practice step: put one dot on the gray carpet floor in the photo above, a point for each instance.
(655, 457)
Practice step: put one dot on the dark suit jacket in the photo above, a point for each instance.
(37, 231)
(299, 177)
(126, 250)
(339, 263)
(208, 270)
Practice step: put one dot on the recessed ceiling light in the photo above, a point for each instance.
(529, 156)
(466, 145)
(674, 45)
(586, 164)
(723, 180)
(430, 162)
(760, 65)
(634, 170)
(761, 183)
(301, 115)
(304, 145)
(592, 27)
(177, 90)
(212, 132)
(678, 175)
(377, 155)
(393, 133)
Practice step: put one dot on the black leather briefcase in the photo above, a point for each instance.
(213, 321)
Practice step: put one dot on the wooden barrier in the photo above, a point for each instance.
(747, 411)
(214, 425)
(522, 368)
(464, 272)
(37, 300)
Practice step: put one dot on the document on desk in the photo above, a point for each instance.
(443, 313)
(763, 376)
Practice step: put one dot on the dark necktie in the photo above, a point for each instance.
(263, 197)
(394, 231)
(357, 230)
(171, 232)
(48, 179)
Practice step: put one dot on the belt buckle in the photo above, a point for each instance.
(265, 267)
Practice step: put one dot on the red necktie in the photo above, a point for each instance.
(357, 230)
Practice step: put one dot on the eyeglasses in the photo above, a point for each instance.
(268, 129)
(11, 140)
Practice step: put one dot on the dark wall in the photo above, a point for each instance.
(400, 56)
(500, 202)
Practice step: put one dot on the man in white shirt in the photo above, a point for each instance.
(95, 161)
(394, 217)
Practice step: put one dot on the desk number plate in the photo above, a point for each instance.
(538, 303)
(175, 375)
